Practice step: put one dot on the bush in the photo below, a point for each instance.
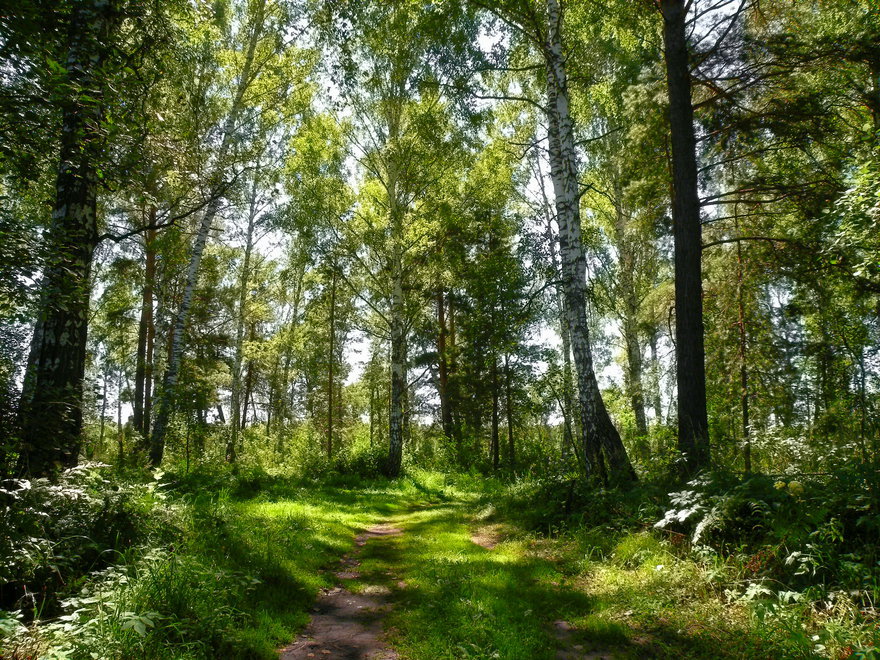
(820, 532)
(51, 532)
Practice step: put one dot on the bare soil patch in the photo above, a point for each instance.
(570, 649)
(347, 626)
(487, 536)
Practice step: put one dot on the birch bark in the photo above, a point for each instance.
(598, 434)
(51, 410)
(169, 382)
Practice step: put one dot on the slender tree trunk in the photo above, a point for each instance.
(143, 382)
(168, 395)
(103, 408)
(248, 393)
(51, 412)
(443, 368)
(630, 316)
(656, 399)
(169, 382)
(566, 403)
(331, 360)
(396, 415)
(634, 374)
(597, 430)
(143, 361)
(372, 410)
(493, 447)
(508, 400)
(743, 368)
(241, 316)
(150, 281)
(693, 425)
(119, 432)
(398, 377)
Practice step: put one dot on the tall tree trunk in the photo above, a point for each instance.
(508, 400)
(248, 394)
(146, 333)
(51, 413)
(119, 432)
(372, 411)
(656, 398)
(150, 281)
(168, 395)
(103, 407)
(169, 382)
(397, 321)
(398, 376)
(743, 367)
(597, 430)
(331, 353)
(634, 374)
(443, 368)
(241, 316)
(693, 425)
(566, 403)
(630, 316)
(494, 450)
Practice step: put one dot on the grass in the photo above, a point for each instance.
(245, 565)
(530, 596)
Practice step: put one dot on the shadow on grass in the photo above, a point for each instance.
(285, 544)
(459, 600)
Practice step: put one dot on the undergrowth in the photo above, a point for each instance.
(199, 565)
(773, 566)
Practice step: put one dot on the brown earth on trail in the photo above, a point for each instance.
(487, 536)
(347, 626)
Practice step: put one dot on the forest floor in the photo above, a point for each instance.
(434, 580)
(427, 567)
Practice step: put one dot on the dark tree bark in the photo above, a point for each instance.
(693, 425)
(51, 412)
(146, 332)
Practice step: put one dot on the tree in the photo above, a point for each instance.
(693, 424)
(52, 407)
(263, 84)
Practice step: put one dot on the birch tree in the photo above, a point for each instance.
(264, 79)
(51, 408)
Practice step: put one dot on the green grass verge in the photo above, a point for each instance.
(246, 563)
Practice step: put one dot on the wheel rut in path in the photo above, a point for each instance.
(345, 625)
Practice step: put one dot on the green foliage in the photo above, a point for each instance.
(801, 533)
(54, 532)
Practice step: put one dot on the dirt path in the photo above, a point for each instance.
(345, 625)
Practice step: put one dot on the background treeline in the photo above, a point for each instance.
(585, 243)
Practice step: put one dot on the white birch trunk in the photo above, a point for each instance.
(169, 383)
(597, 431)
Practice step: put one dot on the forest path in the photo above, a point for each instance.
(347, 625)
(431, 583)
